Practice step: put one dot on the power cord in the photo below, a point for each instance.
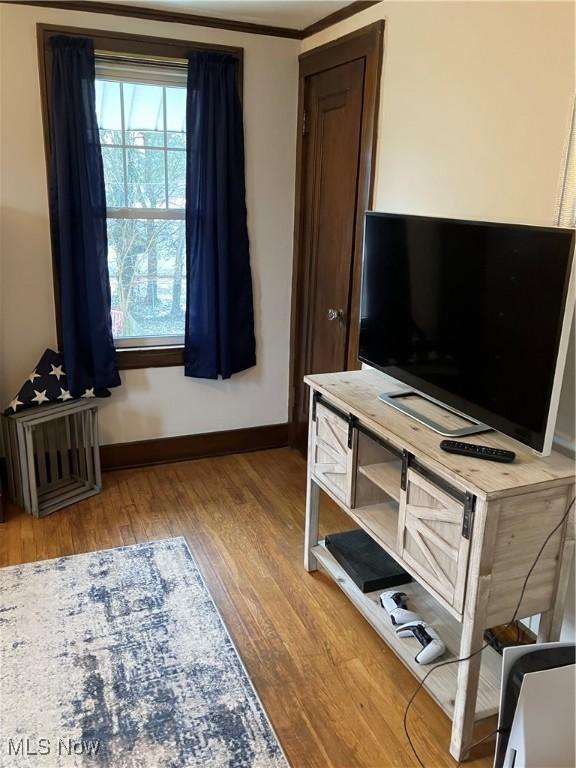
(485, 645)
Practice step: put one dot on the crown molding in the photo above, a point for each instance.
(178, 17)
(334, 18)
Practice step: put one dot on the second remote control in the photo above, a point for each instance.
(477, 451)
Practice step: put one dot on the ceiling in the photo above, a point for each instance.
(295, 14)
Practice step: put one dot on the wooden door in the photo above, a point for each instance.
(332, 126)
(431, 538)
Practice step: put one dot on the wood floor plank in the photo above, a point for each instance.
(334, 692)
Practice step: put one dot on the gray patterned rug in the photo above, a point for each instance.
(120, 659)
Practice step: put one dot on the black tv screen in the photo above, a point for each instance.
(469, 313)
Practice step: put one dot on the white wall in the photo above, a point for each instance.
(154, 402)
(474, 114)
(474, 118)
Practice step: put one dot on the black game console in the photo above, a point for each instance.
(369, 567)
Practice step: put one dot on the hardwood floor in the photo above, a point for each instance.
(333, 691)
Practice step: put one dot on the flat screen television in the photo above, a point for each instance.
(473, 314)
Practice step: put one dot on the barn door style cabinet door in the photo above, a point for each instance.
(332, 450)
(467, 531)
(435, 536)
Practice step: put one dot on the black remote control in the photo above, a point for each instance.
(477, 451)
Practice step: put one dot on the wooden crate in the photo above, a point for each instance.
(52, 456)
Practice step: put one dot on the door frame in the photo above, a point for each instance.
(366, 43)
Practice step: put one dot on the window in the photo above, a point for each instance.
(137, 60)
(141, 110)
(567, 207)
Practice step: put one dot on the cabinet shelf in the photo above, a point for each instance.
(380, 521)
(442, 684)
(386, 475)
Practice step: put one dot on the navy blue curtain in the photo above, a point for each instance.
(219, 337)
(78, 220)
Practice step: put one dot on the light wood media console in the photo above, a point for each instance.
(467, 531)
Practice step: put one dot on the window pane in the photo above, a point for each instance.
(176, 179)
(146, 178)
(176, 140)
(113, 159)
(145, 138)
(176, 109)
(147, 267)
(143, 107)
(567, 211)
(110, 136)
(108, 110)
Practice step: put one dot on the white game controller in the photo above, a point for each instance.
(432, 645)
(395, 604)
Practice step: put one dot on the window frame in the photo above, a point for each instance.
(145, 47)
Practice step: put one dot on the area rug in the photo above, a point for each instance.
(119, 658)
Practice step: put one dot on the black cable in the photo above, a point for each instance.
(485, 645)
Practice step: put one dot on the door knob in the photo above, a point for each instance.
(336, 314)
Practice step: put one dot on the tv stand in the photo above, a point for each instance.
(394, 399)
(468, 532)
